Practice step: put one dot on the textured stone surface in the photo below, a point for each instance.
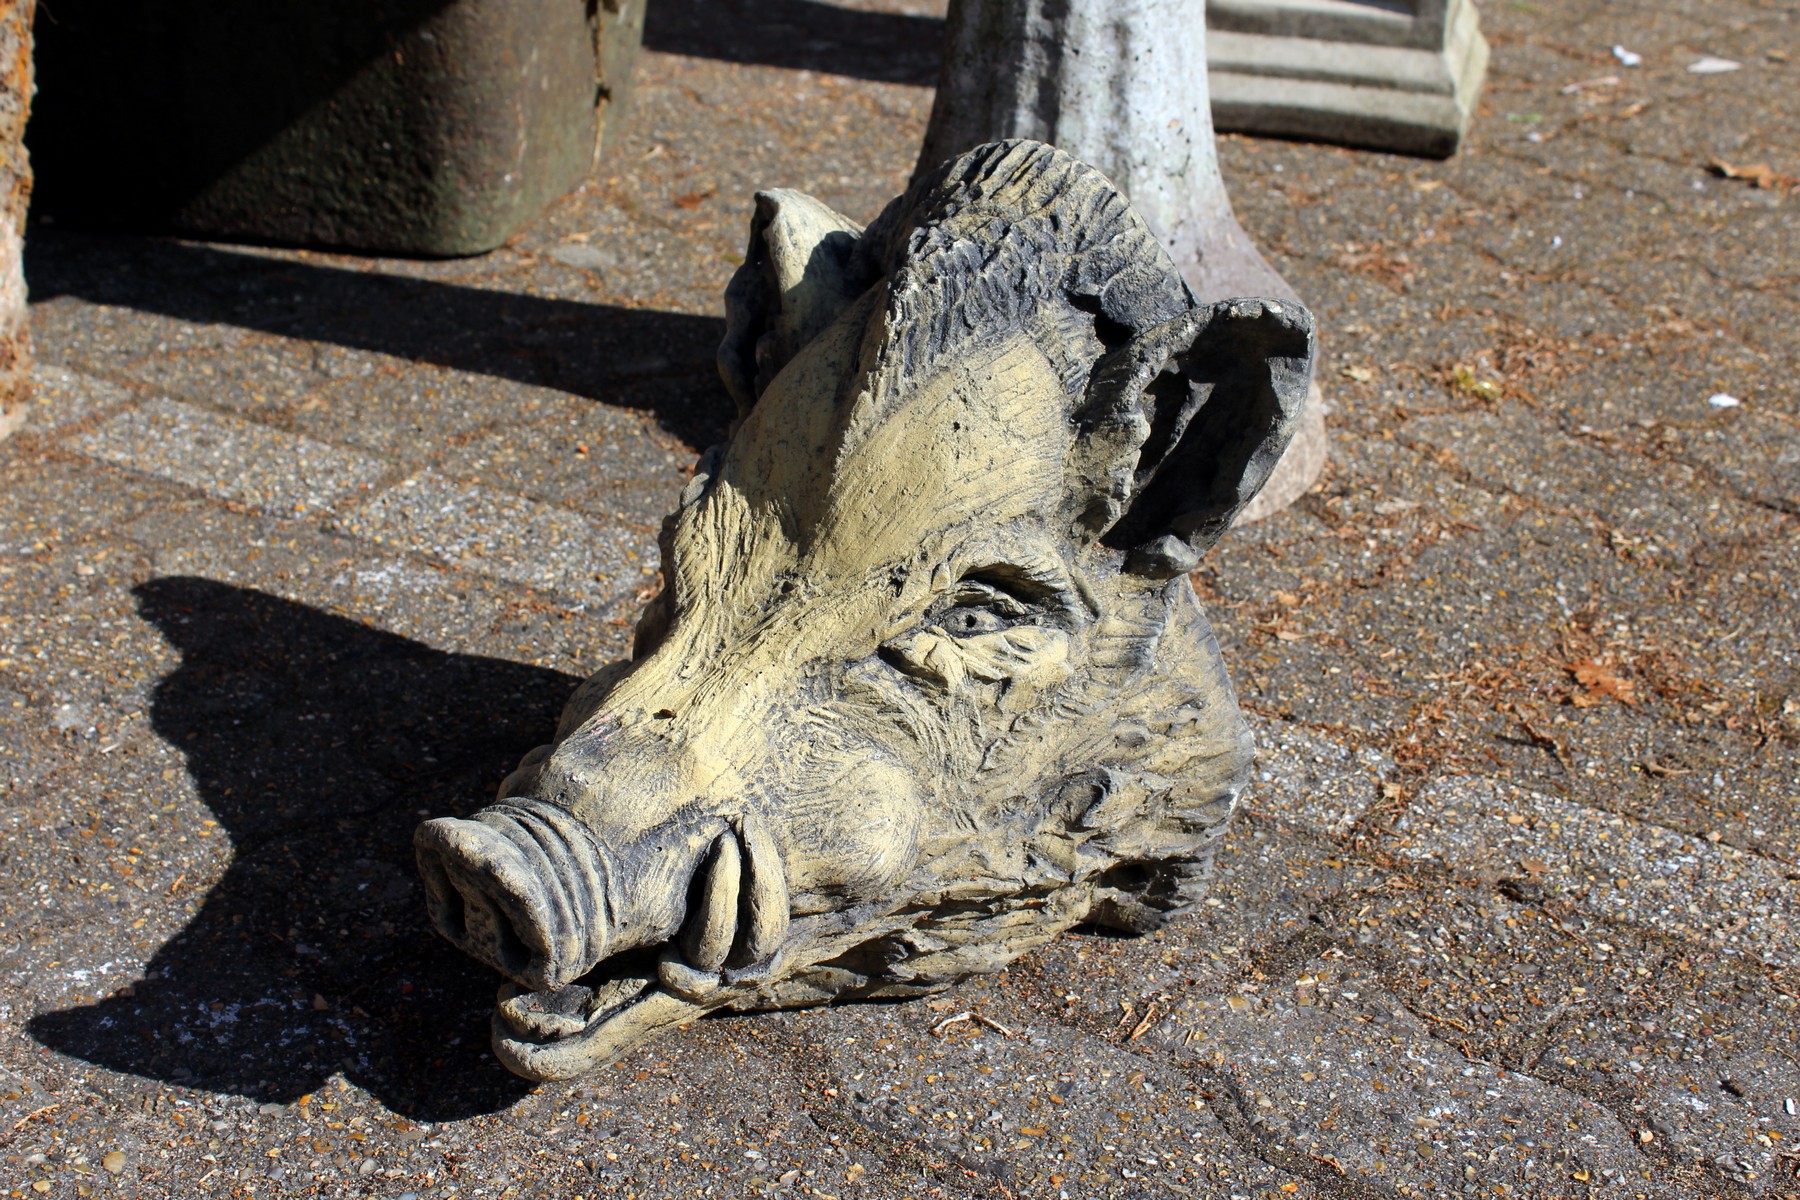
(1406, 634)
(66, 397)
(1616, 867)
(474, 527)
(1338, 1079)
(230, 458)
(1036, 1108)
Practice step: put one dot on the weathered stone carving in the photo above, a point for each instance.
(926, 683)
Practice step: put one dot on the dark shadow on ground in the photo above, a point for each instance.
(800, 34)
(317, 743)
(659, 361)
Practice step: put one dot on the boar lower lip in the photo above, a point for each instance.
(559, 1033)
(555, 1014)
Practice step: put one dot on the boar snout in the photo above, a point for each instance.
(527, 888)
(521, 887)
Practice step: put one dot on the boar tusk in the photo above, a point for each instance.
(765, 901)
(713, 921)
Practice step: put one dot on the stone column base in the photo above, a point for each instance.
(1379, 74)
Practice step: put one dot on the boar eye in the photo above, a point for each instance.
(980, 606)
(966, 621)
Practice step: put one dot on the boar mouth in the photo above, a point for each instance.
(524, 887)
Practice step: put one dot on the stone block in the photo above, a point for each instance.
(67, 397)
(1326, 1067)
(231, 459)
(1397, 75)
(509, 537)
(1609, 866)
(435, 127)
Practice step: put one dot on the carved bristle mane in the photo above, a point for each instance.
(1011, 233)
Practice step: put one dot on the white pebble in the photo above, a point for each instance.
(1723, 400)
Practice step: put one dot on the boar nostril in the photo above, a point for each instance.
(442, 898)
(516, 889)
(486, 925)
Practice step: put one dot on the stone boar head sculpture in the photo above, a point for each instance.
(926, 682)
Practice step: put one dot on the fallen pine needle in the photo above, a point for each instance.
(1758, 175)
(1451, 1022)
(996, 1026)
(949, 1021)
(1143, 1026)
(28, 1117)
(978, 1018)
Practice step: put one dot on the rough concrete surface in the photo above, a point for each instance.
(15, 193)
(1511, 912)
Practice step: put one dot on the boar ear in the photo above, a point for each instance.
(796, 278)
(1181, 426)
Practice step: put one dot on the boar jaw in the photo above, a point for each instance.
(526, 889)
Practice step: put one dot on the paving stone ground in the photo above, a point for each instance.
(299, 547)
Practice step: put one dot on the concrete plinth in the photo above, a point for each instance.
(1382, 74)
(435, 127)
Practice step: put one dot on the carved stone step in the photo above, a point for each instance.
(1384, 75)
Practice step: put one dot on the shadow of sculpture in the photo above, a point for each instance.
(316, 742)
(801, 35)
(660, 361)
